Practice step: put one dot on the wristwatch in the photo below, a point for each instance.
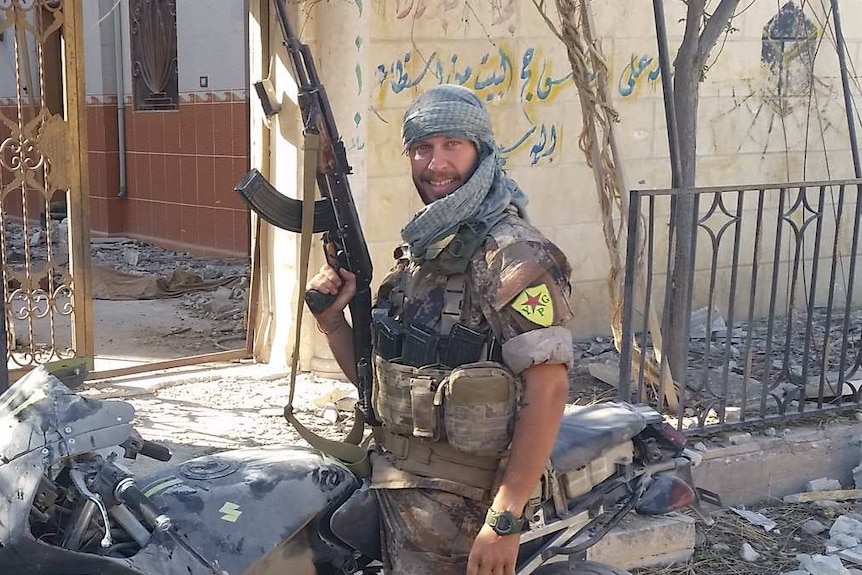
(504, 522)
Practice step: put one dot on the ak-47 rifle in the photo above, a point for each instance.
(335, 214)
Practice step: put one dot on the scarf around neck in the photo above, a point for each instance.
(484, 198)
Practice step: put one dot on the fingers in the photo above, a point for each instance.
(326, 280)
(472, 565)
(348, 277)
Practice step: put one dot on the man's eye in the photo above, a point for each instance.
(421, 150)
(453, 143)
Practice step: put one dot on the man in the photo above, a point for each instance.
(470, 265)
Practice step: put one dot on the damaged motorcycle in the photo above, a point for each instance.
(69, 506)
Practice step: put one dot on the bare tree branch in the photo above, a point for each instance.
(541, 8)
(712, 30)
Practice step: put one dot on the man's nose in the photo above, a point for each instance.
(437, 160)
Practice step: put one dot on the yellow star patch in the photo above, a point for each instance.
(535, 304)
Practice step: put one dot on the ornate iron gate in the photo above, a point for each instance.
(776, 316)
(44, 227)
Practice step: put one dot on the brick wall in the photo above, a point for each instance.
(181, 168)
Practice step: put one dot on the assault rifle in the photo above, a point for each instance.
(334, 215)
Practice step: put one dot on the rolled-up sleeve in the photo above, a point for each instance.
(547, 345)
(524, 297)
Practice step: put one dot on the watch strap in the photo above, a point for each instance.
(504, 522)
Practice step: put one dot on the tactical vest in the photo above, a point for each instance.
(447, 402)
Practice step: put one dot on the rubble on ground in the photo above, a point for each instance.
(227, 306)
(807, 538)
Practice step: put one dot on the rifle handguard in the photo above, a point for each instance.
(317, 301)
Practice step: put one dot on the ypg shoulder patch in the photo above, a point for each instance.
(535, 304)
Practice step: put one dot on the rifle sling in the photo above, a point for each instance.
(353, 456)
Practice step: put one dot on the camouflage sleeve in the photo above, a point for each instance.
(527, 305)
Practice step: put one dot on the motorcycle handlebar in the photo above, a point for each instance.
(156, 451)
(129, 493)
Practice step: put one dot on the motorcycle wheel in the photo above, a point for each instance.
(583, 568)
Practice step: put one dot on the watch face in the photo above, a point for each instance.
(504, 523)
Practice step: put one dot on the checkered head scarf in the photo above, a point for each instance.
(482, 201)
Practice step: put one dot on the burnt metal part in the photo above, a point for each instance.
(241, 505)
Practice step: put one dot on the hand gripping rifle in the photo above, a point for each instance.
(334, 215)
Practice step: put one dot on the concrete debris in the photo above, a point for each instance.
(845, 525)
(699, 318)
(131, 255)
(699, 446)
(822, 564)
(840, 541)
(755, 518)
(330, 413)
(748, 553)
(342, 399)
(857, 477)
(852, 555)
(813, 527)
(721, 548)
(823, 484)
(810, 496)
(738, 438)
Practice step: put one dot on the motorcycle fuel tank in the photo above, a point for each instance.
(242, 507)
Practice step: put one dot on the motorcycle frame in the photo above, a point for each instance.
(565, 545)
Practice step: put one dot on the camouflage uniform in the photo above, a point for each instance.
(517, 286)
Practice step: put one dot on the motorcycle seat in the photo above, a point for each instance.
(591, 430)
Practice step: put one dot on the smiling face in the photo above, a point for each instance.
(441, 164)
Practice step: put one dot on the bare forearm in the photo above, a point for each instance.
(545, 392)
(339, 336)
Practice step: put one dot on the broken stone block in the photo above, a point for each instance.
(813, 527)
(853, 555)
(738, 438)
(822, 564)
(748, 553)
(823, 484)
(842, 541)
(131, 255)
(845, 525)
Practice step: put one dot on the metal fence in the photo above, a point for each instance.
(775, 320)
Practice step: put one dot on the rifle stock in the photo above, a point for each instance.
(335, 214)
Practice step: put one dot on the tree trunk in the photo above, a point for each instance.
(688, 69)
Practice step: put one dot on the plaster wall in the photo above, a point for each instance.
(750, 129)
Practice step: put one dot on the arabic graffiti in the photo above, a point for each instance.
(541, 142)
(497, 74)
(492, 77)
(640, 70)
(447, 11)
